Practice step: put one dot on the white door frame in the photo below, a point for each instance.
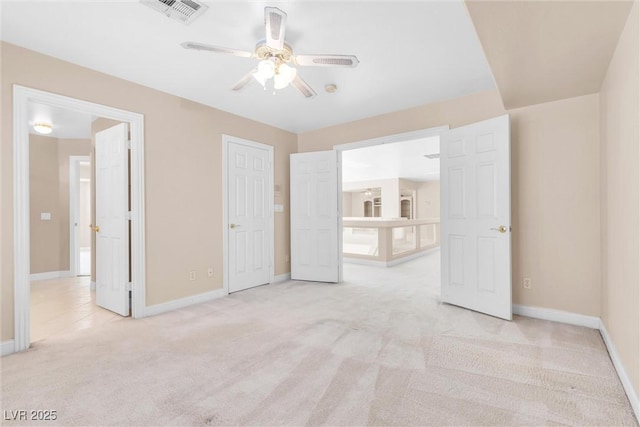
(226, 139)
(74, 188)
(22, 96)
(391, 139)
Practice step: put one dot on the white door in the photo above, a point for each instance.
(112, 225)
(249, 204)
(476, 217)
(315, 245)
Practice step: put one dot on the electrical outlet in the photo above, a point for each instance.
(192, 275)
(210, 272)
(526, 283)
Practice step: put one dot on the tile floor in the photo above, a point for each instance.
(64, 305)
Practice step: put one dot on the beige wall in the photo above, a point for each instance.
(620, 195)
(554, 188)
(182, 174)
(45, 235)
(428, 200)
(49, 192)
(555, 204)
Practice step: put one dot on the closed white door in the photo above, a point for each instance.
(476, 217)
(249, 204)
(314, 217)
(112, 224)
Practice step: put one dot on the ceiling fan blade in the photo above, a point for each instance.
(303, 87)
(245, 81)
(216, 49)
(274, 22)
(326, 60)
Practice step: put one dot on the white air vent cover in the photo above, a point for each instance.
(185, 11)
(432, 156)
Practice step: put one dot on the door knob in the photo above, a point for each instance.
(96, 228)
(501, 229)
(234, 225)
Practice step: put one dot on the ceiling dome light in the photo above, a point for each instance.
(42, 127)
(285, 75)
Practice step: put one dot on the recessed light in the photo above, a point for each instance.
(42, 127)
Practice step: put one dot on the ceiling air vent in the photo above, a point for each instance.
(432, 156)
(185, 11)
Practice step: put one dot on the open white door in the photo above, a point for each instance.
(476, 217)
(249, 169)
(112, 225)
(314, 217)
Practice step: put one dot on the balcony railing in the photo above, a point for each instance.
(388, 241)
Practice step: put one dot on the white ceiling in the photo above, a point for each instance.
(411, 53)
(396, 160)
(64, 123)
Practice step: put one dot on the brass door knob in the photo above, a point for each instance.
(502, 229)
(234, 225)
(96, 228)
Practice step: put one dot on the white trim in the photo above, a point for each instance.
(185, 302)
(557, 316)
(22, 96)
(226, 139)
(399, 137)
(622, 374)
(7, 347)
(74, 210)
(282, 278)
(50, 275)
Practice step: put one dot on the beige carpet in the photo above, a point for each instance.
(372, 351)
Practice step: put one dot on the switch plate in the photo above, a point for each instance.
(45, 216)
(192, 275)
(278, 208)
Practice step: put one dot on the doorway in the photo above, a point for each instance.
(23, 97)
(80, 184)
(398, 242)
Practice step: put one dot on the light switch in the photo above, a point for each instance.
(45, 216)
(278, 208)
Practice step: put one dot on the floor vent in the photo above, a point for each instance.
(185, 11)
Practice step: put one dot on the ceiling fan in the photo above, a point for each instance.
(277, 58)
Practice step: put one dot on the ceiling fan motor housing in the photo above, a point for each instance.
(281, 55)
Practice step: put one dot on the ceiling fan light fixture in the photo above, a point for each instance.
(284, 76)
(42, 127)
(266, 69)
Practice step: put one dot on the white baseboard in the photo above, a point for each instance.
(50, 275)
(282, 278)
(184, 302)
(6, 347)
(93, 286)
(557, 316)
(622, 374)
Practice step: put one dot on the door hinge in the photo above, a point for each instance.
(128, 144)
(129, 286)
(127, 216)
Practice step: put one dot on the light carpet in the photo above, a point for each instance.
(378, 349)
